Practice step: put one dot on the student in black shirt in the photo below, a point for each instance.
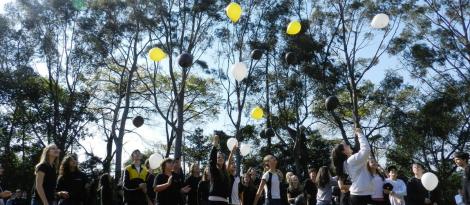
(150, 180)
(416, 193)
(105, 190)
(46, 177)
(193, 181)
(310, 188)
(71, 182)
(220, 189)
(203, 188)
(248, 190)
(4, 194)
(169, 193)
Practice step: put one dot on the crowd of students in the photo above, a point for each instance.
(359, 180)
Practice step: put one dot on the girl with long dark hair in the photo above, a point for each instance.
(354, 166)
(248, 192)
(193, 181)
(203, 188)
(105, 190)
(325, 184)
(220, 189)
(72, 181)
(46, 177)
(378, 197)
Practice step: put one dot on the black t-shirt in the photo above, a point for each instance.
(193, 182)
(150, 192)
(294, 193)
(169, 196)
(74, 184)
(203, 192)
(249, 194)
(49, 183)
(311, 189)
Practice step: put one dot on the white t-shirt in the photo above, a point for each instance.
(275, 192)
(379, 191)
(234, 198)
(399, 190)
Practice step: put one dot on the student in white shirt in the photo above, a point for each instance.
(378, 175)
(397, 195)
(271, 183)
(355, 166)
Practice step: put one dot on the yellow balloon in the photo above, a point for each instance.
(257, 113)
(294, 27)
(234, 11)
(157, 54)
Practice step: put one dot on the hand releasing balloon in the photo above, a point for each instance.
(234, 11)
(239, 71)
(157, 54)
(294, 27)
(138, 121)
(380, 21)
(257, 113)
(429, 181)
(155, 160)
(245, 149)
(231, 143)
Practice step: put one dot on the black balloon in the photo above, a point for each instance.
(138, 121)
(291, 58)
(331, 103)
(269, 132)
(185, 60)
(388, 186)
(256, 54)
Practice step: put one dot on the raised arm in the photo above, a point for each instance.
(364, 149)
(230, 157)
(213, 156)
(259, 192)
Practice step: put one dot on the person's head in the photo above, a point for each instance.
(288, 176)
(323, 177)
(207, 175)
(195, 171)
(270, 162)
(461, 159)
(312, 173)
(372, 166)
(252, 172)
(392, 172)
(340, 153)
(247, 180)
(136, 156)
(50, 154)
(418, 169)
(233, 170)
(167, 165)
(69, 164)
(294, 182)
(220, 160)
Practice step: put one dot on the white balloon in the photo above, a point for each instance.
(231, 142)
(429, 181)
(380, 21)
(245, 149)
(155, 160)
(239, 71)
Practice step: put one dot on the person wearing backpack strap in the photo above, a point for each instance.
(271, 183)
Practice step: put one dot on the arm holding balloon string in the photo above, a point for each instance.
(230, 165)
